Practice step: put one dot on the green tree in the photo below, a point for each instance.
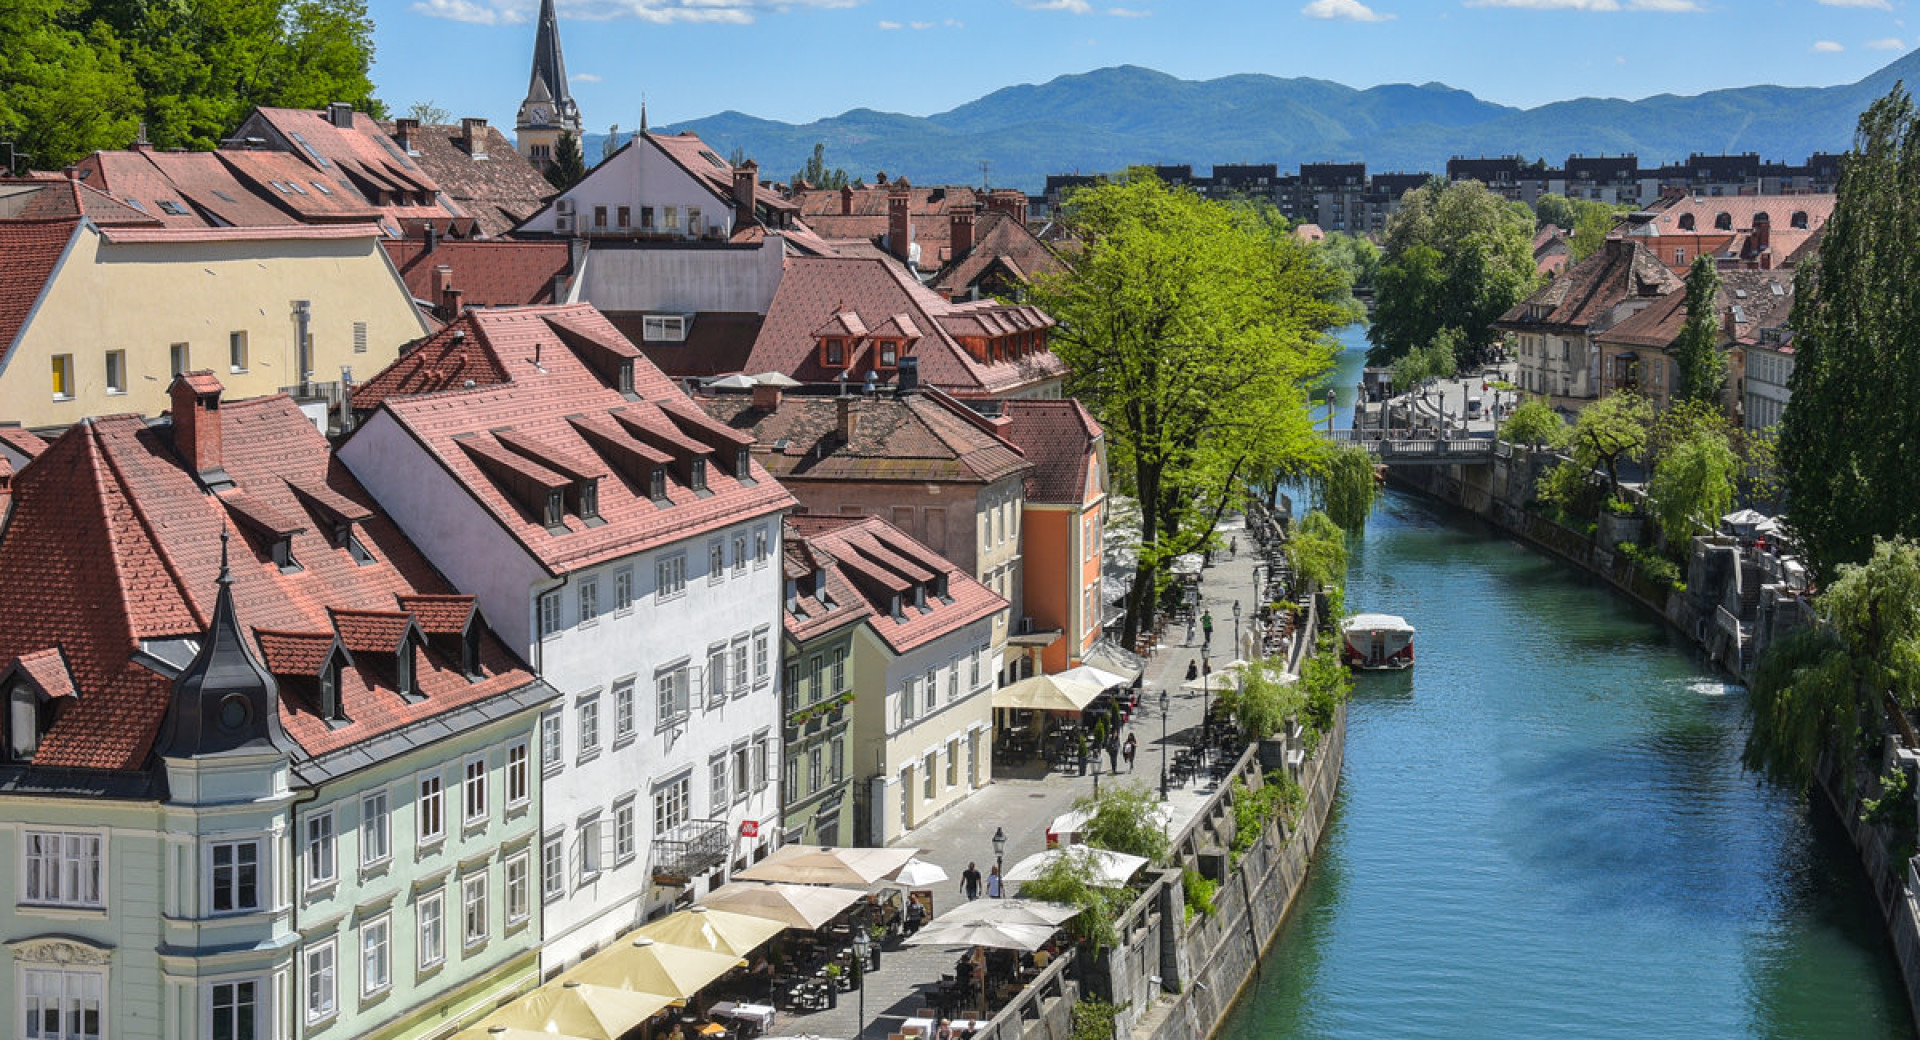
(1070, 878)
(1193, 336)
(1595, 220)
(1610, 431)
(1692, 485)
(1439, 359)
(816, 172)
(1317, 550)
(1557, 210)
(65, 89)
(1125, 818)
(1263, 698)
(430, 114)
(1703, 370)
(1456, 256)
(569, 167)
(1846, 444)
(1818, 692)
(1346, 485)
(1534, 422)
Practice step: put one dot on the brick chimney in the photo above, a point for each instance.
(403, 131)
(960, 230)
(1762, 237)
(446, 298)
(766, 397)
(196, 421)
(746, 184)
(340, 114)
(846, 200)
(1009, 201)
(899, 220)
(848, 417)
(473, 137)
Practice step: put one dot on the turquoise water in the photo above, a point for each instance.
(1544, 830)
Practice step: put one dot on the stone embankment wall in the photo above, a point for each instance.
(1735, 603)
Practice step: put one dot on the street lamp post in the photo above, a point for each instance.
(1206, 705)
(1096, 771)
(1166, 708)
(1330, 400)
(862, 946)
(1236, 629)
(999, 847)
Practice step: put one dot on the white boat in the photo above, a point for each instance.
(1377, 641)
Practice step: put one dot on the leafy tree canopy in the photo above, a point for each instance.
(1534, 422)
(1693, 485)
(1344, 483)
(77, 76)
(1610, 431)
(569, 166)
(1703, 370)
(1846, 445)
(1456, 256)
(1439, 359)
(816, 172)
(1126, 818)
(1193, 335)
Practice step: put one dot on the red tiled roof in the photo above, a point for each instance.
(1586, 294)
(361, 155)
(271, 233)
(919, 438)
(499, 187)
(56, 197)
(48, 670)
(487, 273)
(294, 653)
(371, 631)
(32, 249)
(445, 360)
(999, 240)
(126, 544)
(286, 182)
(717, 343)
(202, 381)
(1058, 437)
(813, 289)
(814, 615)
(24, 441)
(1764, 300)
(549, 403)
(442, 615)
(880, 559)
(132, 178)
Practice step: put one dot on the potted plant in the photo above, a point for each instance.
(834, 974)
(878, 932)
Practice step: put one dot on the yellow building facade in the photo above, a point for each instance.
(124, 309)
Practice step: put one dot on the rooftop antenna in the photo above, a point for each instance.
(986, 165)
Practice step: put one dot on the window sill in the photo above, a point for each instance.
(65, 913)
(377, 995)
(587, 756)
(518, 808)
(318, 890)
(429, 847)
(376, 868)
(111, 392)
(427, 971)
(63, 397)
(469, 828)
(517, 925)
(471, 946)
(624, 739)
(236, 371)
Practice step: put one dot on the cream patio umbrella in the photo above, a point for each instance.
(714, 930)
(1109, 869)
(917, 874)
(1011, 911)
(1221, 678)
(827, 865)
(1007, 924)
(649, 966)
(796, 906)
(1087, 673)
(1047, 693)
(576, 1009)
(484, 1032)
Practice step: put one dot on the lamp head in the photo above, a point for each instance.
(999, 841)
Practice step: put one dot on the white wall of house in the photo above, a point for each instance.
(593, 660)
(1768, 370)
(668, 280)
(637, 176)
(954, 731)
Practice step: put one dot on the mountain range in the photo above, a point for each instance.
(1110, 118)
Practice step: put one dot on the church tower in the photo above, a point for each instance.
(549, 109)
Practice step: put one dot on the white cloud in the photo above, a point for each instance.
(954, 23)
(891, 25)
(1593, 5)
(516, 12)
(583, 77)
(1891, 43)
(1128, 12)
(1878, 5)
(1827, 47)
(1343, 10)
(1069, 6)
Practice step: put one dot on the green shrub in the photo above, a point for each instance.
(1094, 1019)
(1200, 892)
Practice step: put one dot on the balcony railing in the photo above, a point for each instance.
(693, 848)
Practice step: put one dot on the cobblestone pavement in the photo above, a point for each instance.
(1024, 808)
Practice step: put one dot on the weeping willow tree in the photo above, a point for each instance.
(1823, 690)
(1345, 485)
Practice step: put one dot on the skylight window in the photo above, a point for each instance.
(223, 196)
(317, 157)
(172, 208)
(324, 190)
(714, 159)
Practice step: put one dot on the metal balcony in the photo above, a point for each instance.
(693, 848)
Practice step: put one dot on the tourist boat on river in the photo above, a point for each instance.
(1376, 641)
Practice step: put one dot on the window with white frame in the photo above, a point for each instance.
(717, 772)
(953, 680)
(376, 955)
(623, 590)
(974, 668)
(953, 763)
(793, 777)
(815, 688)
(64, 868)
(672, 694)
(737, 668)
(762, 551)
(589, 601)
(549, 614)
(716, 672)
(322, 964)
(716, 562)
(814, 763)
(519, 783)
(233, 1010)
(430, 809)
(235, 867)
(63, 1004)
(473, 908)
(927, 778)
(624, 843)
(593, 839)
(839, 760)
(515, 871)
(589, 712)
(670, 575)
(760, 742)
(473, 791)
(376, 825)
(430, 945)
(623, 721)
(910, 699)
(671, 802)
(839, 670)
(553, 865)
(742, 772)
(740, 553)
(319, 845)
(761, 667)
(552, 749)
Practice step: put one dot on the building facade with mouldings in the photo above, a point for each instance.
(630, 547)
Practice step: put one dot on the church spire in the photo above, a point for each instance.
(549, 105)
(225, 701)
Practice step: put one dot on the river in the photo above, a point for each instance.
(1544, 830)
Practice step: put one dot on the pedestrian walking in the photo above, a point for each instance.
(1193, 669)
(1206, 627)
(1131, 747)
(970, 882)
(1233, 548)
(1113, 753)
(993, 882)
(1189, 628)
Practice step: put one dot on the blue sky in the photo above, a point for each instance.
(800, 60)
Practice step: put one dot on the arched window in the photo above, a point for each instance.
(1799, 219)
(1723, 221)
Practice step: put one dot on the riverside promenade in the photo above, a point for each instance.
(1024, 808)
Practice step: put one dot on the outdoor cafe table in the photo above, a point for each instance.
(759, 1014)
(926, 1026)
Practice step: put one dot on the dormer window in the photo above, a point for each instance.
(470, 649)
(889, 354)
(940, 588)
(330, 707)
(920, 597)
(281, 551)
(556, 510)
(624, 378)
(697, 475)
(898, 614)
(404, 679)
(29, 717)
(793, 595)
(743, 465)
(657, 484)
(833, 353)
(588, 493)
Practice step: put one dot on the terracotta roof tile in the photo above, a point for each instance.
(294, 653)
(32, 248)
(494, 183)
(371, 631)
(487, 273)
(48, 670)
(919, 437)
(871, 549)
(1059, 438)
(440, 615)
(24, 441)
(1586, 295)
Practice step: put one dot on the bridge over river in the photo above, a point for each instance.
(1404, 448)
